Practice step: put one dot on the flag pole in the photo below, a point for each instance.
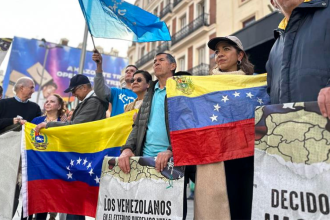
(82, 57)
(83, 51)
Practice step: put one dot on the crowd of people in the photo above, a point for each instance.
(298, 71)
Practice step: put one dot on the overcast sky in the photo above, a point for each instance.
(52, 20)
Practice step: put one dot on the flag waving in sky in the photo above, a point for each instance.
(118, 19)
(212, 117)
(62, 165)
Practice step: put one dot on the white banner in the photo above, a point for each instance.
(143, 194)
(292, 163)
(10, 145)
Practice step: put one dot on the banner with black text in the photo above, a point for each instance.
(143, 194)
(292, 163)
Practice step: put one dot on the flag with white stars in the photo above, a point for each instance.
(214, 122)
(62, 165)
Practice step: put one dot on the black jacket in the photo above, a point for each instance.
(136, 139)
(299, 62)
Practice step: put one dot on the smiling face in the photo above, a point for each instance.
(27, 90)
(80, 92)
(226, 57)
(52, 104)
(48, 90)
(140, 84)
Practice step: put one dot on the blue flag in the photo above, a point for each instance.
(121, 20)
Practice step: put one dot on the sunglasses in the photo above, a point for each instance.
(73, 90)
(139, 79)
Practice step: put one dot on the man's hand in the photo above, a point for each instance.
(162, 159)
(98, 59)
(123, 160)
(134, 116)
(16, 120)
(324, 102)
(39, 126)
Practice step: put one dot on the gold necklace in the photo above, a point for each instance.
(50, 120)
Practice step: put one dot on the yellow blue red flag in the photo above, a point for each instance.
(62, 165)
(211, 118)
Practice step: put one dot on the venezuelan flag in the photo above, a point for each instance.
(62, 165)
(211, 118)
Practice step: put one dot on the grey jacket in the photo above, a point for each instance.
(91, 109)
(136, 139)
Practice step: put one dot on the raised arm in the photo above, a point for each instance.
(101, 89)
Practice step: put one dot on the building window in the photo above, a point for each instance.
(143, 51)
(200, 8)
(156, 11)
(201, 55)
(153, 45)
(183, 21)
(182, 64)
(249, 21)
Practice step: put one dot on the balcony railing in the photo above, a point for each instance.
(165, 11)
(200, 70)
(176, 2)
(146, 58)
(200, 21)
(163, 47)
(151, 55)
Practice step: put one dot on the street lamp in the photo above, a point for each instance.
(48, 47)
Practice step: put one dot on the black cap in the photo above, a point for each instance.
(77, 80)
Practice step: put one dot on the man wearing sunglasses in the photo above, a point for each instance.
(90, 108)
(118, 97)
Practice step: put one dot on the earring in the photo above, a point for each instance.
(239, 63)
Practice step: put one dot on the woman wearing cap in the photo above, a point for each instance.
(140, 85)
(230, 57)
(225, 186)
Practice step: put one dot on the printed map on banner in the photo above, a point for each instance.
(292, 163)
(142, 194)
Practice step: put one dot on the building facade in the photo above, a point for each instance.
(192, 23)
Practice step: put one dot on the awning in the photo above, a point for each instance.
(258, 39)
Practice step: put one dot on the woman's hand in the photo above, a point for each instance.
(40, 126)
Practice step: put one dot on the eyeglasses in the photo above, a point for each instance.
(75, 89)
(139, 79)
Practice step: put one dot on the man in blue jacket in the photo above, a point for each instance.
(299, 62)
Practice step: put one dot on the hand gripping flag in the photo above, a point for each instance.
(211, 118)
(121, 20)
(62, 165)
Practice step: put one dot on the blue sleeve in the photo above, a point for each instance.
(114, 94)
(35, 120)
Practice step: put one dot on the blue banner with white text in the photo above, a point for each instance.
(27, 58)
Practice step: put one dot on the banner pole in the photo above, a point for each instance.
(82, 58)
(43, 72)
